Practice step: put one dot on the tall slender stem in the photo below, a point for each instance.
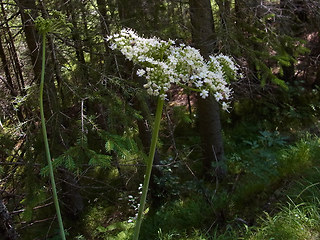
(145, 187)
(46, 144)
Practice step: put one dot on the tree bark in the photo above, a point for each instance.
(203, 34)
(8, 82)
(104, 24)
(287, 28)
(16, 62)
(76, 37)
(203, 29)
(103, 21)
(224, 12)
(31, 35)
(129, 12)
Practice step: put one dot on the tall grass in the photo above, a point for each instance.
(293, 222)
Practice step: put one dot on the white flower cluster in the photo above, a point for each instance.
(164, 63)
(133, 203)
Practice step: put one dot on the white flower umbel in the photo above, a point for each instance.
(163, 63)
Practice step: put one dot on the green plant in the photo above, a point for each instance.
(178, 218)
(257, 155)
(116, 231)
(166, 64)
(45, 26)
(173, 235)
(298, 157)
(145, 187)
(169, 179)
(294, 222)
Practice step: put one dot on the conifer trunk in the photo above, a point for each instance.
(28, 12)
(203, 34)
(13, 51)
(8, 82)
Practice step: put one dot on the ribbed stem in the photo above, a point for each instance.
(145, 187)
(46, 144)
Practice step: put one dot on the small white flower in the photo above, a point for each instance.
(141, 58)
(140, 72)
(198, 83)
(113, 46)
(150, 91)
(147, 85)
(225, 106)
(163, 96)
(218, 96)
(156, 92)
(204, 93)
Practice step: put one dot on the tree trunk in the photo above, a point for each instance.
(31, 35)
(8, 82)
(129, 12)
(224, 12)
(103, 21)
(16, 62)
(208, 109)
(288, 11)
(203, 29)
(104, 24)
(72, 9)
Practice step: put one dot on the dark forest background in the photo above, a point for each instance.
(250, 173)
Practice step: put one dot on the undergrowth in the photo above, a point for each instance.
(272, 192)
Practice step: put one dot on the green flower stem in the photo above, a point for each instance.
(46, 144)
(145, 187)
